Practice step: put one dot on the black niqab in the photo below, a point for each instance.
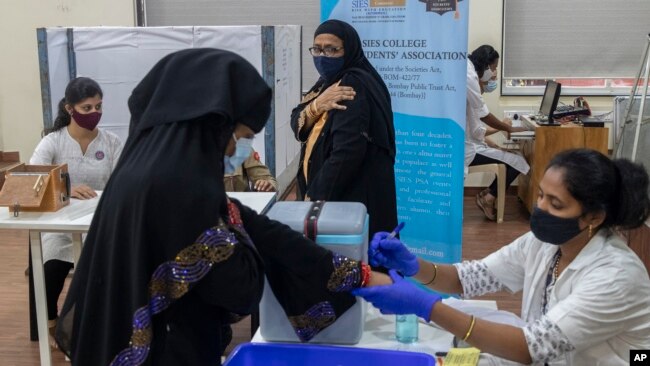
(356, 63)
(197, 82)
(353, 52)
(166, 189)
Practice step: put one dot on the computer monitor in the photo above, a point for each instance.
(550, 99)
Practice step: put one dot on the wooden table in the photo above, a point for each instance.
(548, 141)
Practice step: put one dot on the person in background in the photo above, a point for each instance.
(91, 154)
(345, 125)
(489, 87)
(586, 294)
(170, 262)
(481, 67)
(253, 175)
(492, 84)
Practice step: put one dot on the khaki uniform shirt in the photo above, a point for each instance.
(244, 178)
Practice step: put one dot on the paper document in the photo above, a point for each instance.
(462, 357)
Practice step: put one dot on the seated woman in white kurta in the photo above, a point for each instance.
(481, 67)
(586, 294)
(91, 154)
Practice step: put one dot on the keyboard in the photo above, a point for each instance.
(529, 122)
(569, 110)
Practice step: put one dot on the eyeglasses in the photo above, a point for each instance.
(327, 51)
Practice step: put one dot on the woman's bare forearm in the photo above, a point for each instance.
(501, 340)
(446, 277)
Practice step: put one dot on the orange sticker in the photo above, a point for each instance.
(256, 155)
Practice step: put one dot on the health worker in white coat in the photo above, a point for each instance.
(585, 293)
(481, 67)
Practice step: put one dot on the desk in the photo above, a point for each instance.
(258, 201)
(548, 141)
(75, 219)
(379, 332)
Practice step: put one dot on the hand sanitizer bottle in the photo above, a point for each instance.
(406, 328)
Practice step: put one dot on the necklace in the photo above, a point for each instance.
(556, 266)
(551, 277)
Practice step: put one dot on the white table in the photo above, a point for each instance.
(75, 219)
(379, 332)
(258, 201)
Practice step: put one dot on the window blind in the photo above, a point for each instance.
(545, 39)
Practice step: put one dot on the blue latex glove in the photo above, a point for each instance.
(392, 254)
(402, 297)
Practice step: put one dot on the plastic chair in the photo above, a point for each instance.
(500, 171)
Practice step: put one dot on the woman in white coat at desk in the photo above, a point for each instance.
(481, 67)
(586, 294)
(91, 154)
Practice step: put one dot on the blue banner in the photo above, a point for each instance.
(420, 49)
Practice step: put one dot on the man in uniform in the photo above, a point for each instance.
(251, 176)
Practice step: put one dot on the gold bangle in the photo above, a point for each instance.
(308, 112)
(471, 327)
(314, 108)
(435, 274)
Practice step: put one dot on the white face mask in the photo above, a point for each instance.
(491, 86)
(243, 150)
(487, 75)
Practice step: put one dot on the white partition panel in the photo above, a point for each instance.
(287, 94)
(58, 66)
(119, 57)
(245, 41)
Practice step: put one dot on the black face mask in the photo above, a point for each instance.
(328, 67)
(552, 229)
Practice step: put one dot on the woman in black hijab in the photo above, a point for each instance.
(169, 261)
(345, 124)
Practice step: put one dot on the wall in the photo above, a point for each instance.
(20, 103)
(485, 27)
(21, 118)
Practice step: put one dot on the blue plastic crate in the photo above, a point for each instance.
(277, 354)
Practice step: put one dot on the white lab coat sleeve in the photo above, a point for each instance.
(474, 98)
(545, 341)
(508, 263)
(476, 279)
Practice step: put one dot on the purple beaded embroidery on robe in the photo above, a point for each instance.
(313, 320)
(170, 281)
(345, 277)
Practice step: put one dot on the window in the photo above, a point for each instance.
(572, 86)
(590, 47)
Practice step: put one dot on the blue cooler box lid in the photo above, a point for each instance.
(278, 354)
(338, 223)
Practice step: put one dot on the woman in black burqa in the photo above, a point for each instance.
(169, 261)
(345, 124)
